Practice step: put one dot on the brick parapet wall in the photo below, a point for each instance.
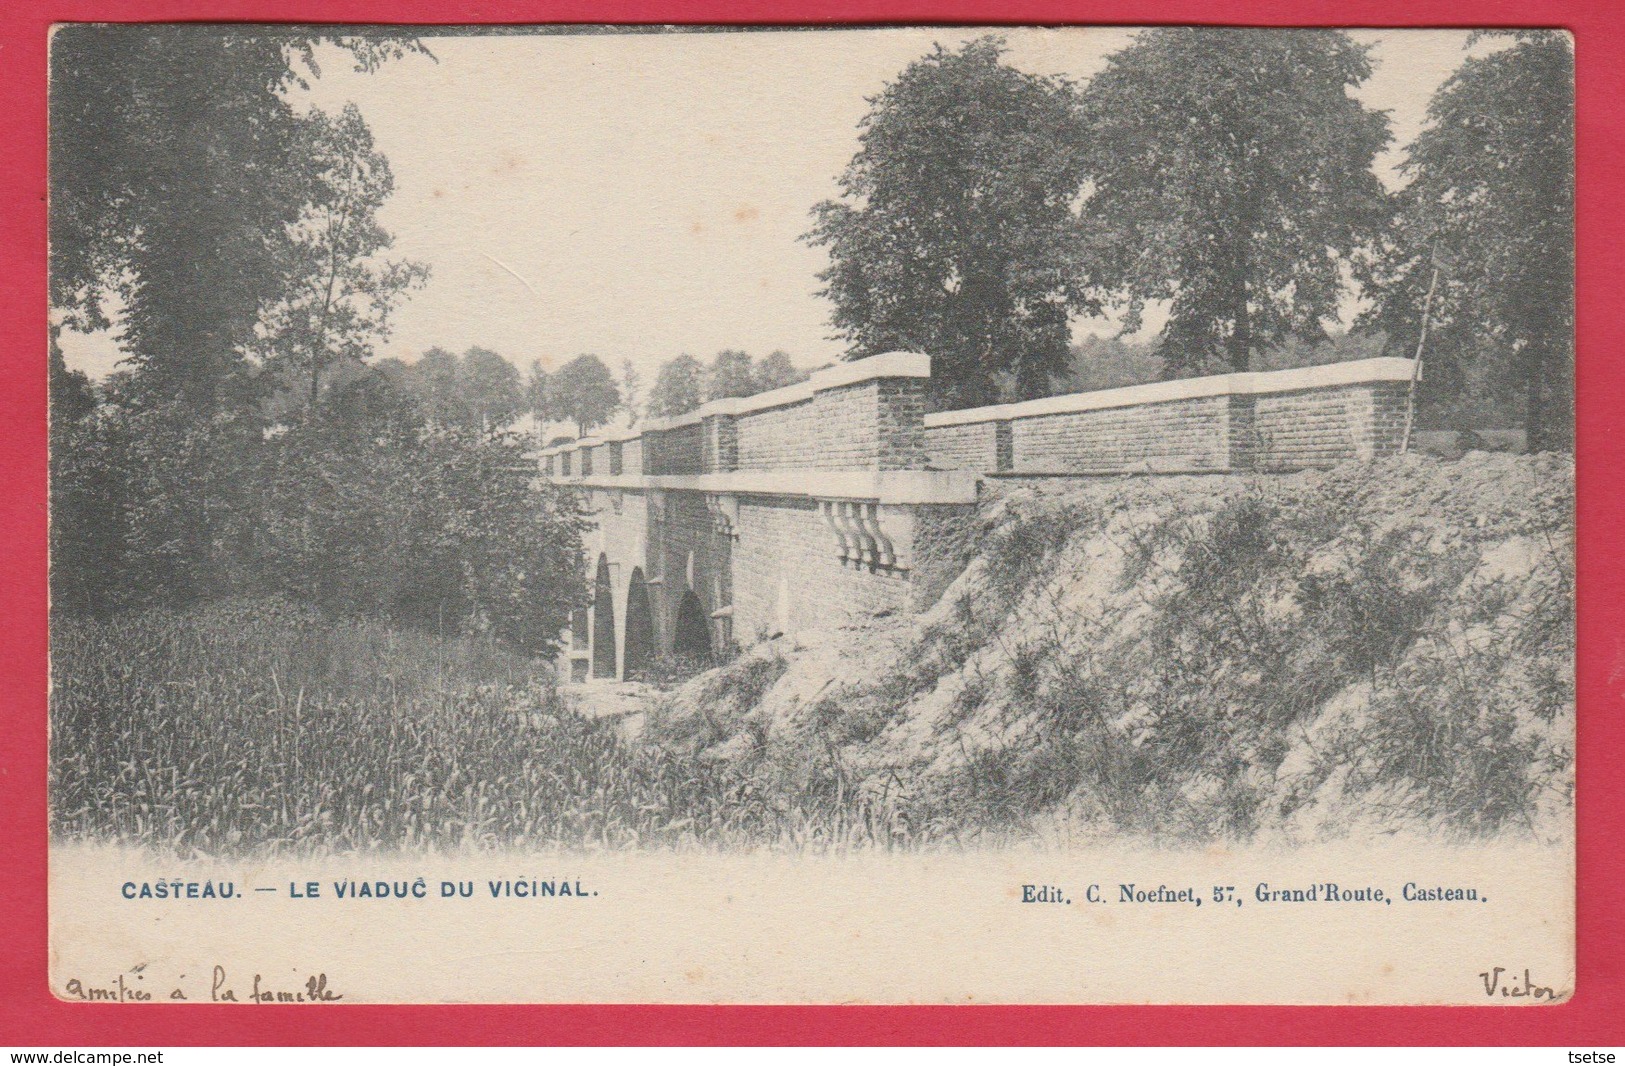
(1249, 421)
(680, 450)
(1179, 434)
(721, 444)
(1322, 427)
(1004, 446)
(971, 446)
(779, 438)
(857, 421)
(862, 415)
(900, 417)
(868, 425)
(1240, 434)
(848, 427)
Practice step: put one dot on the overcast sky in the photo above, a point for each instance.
(639, 196)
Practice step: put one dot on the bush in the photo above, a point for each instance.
(370, 506)
(1379, 646)
(439, 527)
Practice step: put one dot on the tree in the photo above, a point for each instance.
(87, 531)
(1110, 363)
(731, 373)
(1231, 176)
(172, 184)
(479, 390)
(955, 234)
(339, 293)
(432, 380)
(583, 392)
(776, 371)
(488, 390)
(1490, 206)
(536, 395)
(678, 389)
(631, 391)
(173, 179)
(175, 173)
(437, 526)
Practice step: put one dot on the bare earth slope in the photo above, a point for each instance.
(1379, 648)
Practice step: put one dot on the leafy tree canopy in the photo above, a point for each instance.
(776, 371)
(176, 171)
(955, 234)
(479, 390)
(583, 391)
(338, 292)
(631, 391)
(679, 387)
(536, 389)
(490, 389)
(183, 183)
(731, 373)
(1230, 175)
(438, 526)
(1490, 211)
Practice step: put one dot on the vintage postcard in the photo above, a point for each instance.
(811, 515)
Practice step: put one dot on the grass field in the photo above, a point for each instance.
(263, 727)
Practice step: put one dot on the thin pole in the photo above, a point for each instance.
(1416, 363)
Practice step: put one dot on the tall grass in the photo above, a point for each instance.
(267, 728)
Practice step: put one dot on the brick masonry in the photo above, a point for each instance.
(675, 451)
(1322, 427)
(789, 576)
(1264, 430)
(1182, 433)
(762, 557)
(971, 446)
(688, 536)
(875, 425)
(777, 567)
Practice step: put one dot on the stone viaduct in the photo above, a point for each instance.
(840, 498)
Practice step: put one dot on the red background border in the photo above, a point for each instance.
(1596, 1014)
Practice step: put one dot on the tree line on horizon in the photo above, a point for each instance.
(1227, 175)
(251, 441)
(583, 391)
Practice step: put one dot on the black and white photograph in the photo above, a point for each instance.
(795, 514)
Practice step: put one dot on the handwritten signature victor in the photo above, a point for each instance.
(1512, 987)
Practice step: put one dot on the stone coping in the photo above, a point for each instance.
(614, 436)
(1329, 375)
(880, 486)
(887, 365)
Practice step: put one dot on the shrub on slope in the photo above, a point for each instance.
(1374, 648)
